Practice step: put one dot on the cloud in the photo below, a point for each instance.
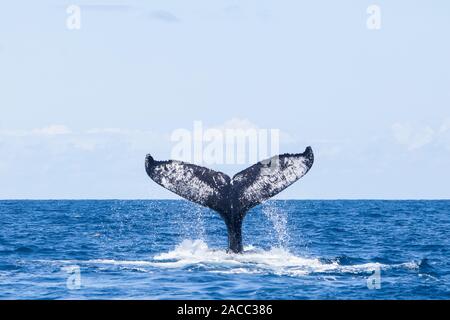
(164, 16)
(445, 127)
(237, 124)
(105, 7)
(61, 138)
(107, 131)
(413, 137)
(329, 151)
(59, 129)
(232, 11)
(245, 124)
(159, 15)
(55, 129)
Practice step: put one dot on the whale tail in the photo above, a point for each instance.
(231, 197)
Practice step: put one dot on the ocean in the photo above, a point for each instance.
(174, 249)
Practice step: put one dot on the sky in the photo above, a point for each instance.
(80, 108)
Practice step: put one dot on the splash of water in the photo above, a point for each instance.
(200, 222)
(279, 220)
(190, 255)
(191, 222)
(279, 261)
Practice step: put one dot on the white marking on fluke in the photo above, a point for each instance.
(231, 197)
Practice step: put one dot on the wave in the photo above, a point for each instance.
(279, 261)
(196, 255)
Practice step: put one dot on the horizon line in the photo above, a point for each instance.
(175, 199)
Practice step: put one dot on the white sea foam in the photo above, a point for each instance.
(120, 262)
(254, 260)
(278, 261)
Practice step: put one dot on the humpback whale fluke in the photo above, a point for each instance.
(230, 197)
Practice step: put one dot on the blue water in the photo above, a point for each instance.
(176, 250)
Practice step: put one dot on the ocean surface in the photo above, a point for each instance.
(177, 250)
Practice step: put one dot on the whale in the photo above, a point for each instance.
(231, 197)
